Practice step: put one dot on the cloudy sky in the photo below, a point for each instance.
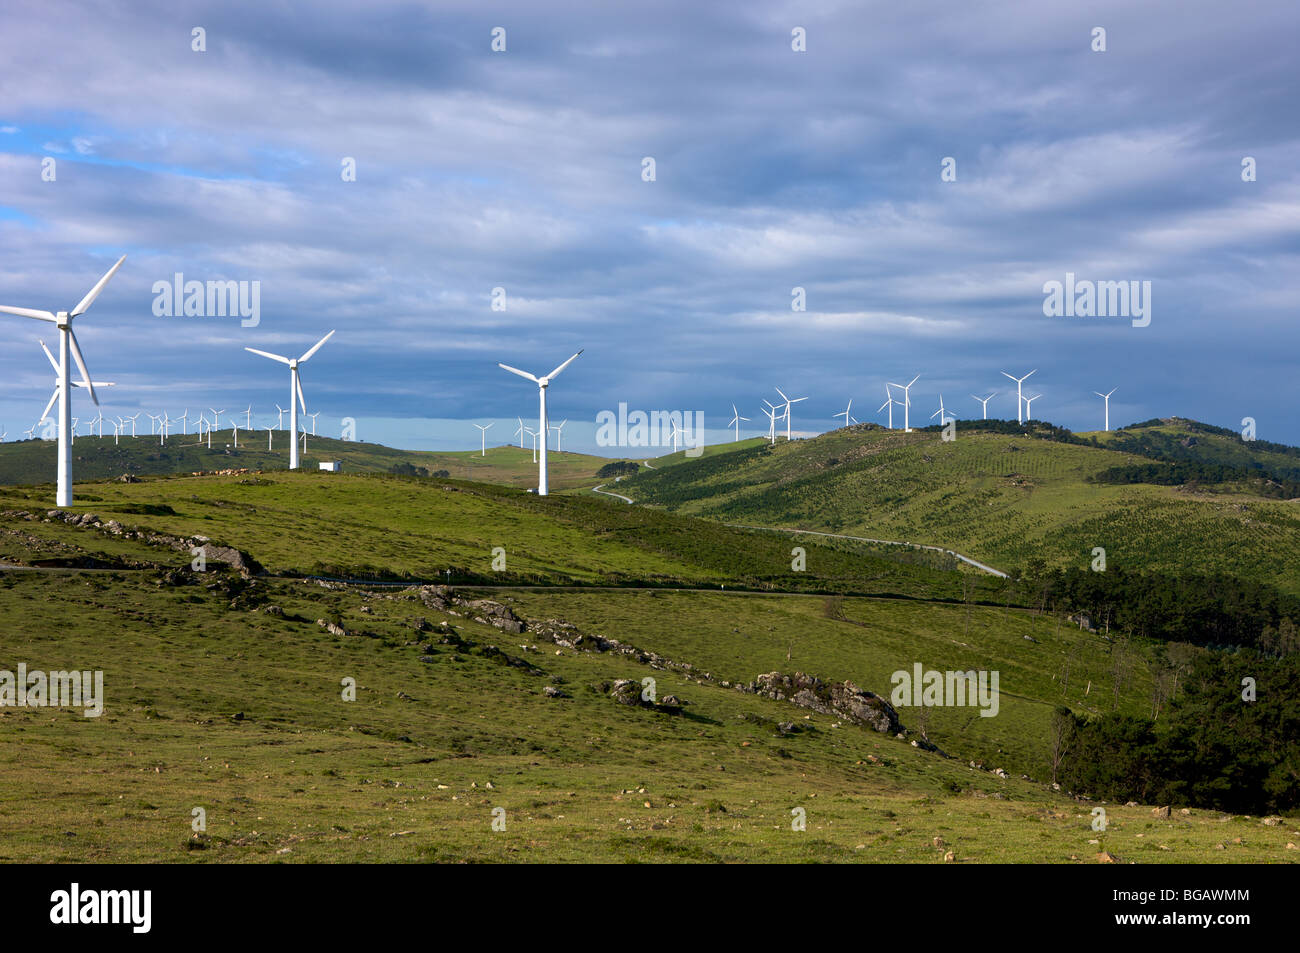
(524, 169)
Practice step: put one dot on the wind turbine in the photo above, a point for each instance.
(269, 432)
(542, 384)
(1106, 398)
(295, 391)
(313, 421)
(234, 423)
(3, 435)
(906, 401)
(559, 433)
(940, 413)
(770, 410)
(673, 435)
(1028, 408)
(985, 402)
(520, 432)
(845, 413)
(889, 402)
(31, 434)
(735, 421)
(1019, 381)
(68, 343)
(248, 418)
(117, 429)
(279, 424)
(533, 434)
(185, 422)
(483, 437)
(788, 402)
(162, 432)
(154, 421)
(133, 419)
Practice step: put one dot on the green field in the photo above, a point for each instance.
(224, 693)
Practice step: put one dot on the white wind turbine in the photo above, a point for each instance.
(296, 398)
(269, 432)
(1029, 410)
(1019, 393)
(279, 424)
(185, 422)
(542, 384)
(313, 421)
(788, 402)
(31, 434)
(68, 343)
(234, 423)
(117, 429)
(845, 413)
(940, 413)
(55, 394)
(248, 418)
(735, 421)
(1106, 398)
(162, 432)
(559, 433)
(889, 402)
(133, 418)
(3, 434)
(483, 438)
(770, 410)
(673, 435)
(985, 402)
(533, 434)
(906, 401)
(154, 422)
(520, 432)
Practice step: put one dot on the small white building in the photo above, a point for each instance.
(331, 466)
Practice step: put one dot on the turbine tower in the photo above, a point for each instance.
(68, 344)
(1106, 398)
(1019, 381)
(296, 398)
(483, 435)
(542, 384)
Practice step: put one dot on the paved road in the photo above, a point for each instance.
(888, 542)
(597, 489)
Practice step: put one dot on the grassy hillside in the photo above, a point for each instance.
(98, 458)
(225, 693)
(1001, 498)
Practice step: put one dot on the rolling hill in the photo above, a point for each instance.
(1010, 497)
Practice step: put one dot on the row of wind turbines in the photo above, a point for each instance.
(781, 411)
(69, 347)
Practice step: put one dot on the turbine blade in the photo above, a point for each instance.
(91, 295)
(782, 393)
(30, 313)
(53, 363)
(515, 370)
(274, 357)
(556, 373)
(914, 380)
(316, 348)
(302, 401)
(81, 364)
(53, 397)
(1006, 375)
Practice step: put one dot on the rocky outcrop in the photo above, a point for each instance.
(841, 699)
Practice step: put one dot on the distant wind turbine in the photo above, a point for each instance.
(788, 402)
(1019, 397)
(296, 398)
(1029, 410)
(985, 402)
(906, 401)
(542, 422)
(1106, 398)
(483, 436)
(735, 421)
(559, 432)
(940, 413)
(845, 413)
